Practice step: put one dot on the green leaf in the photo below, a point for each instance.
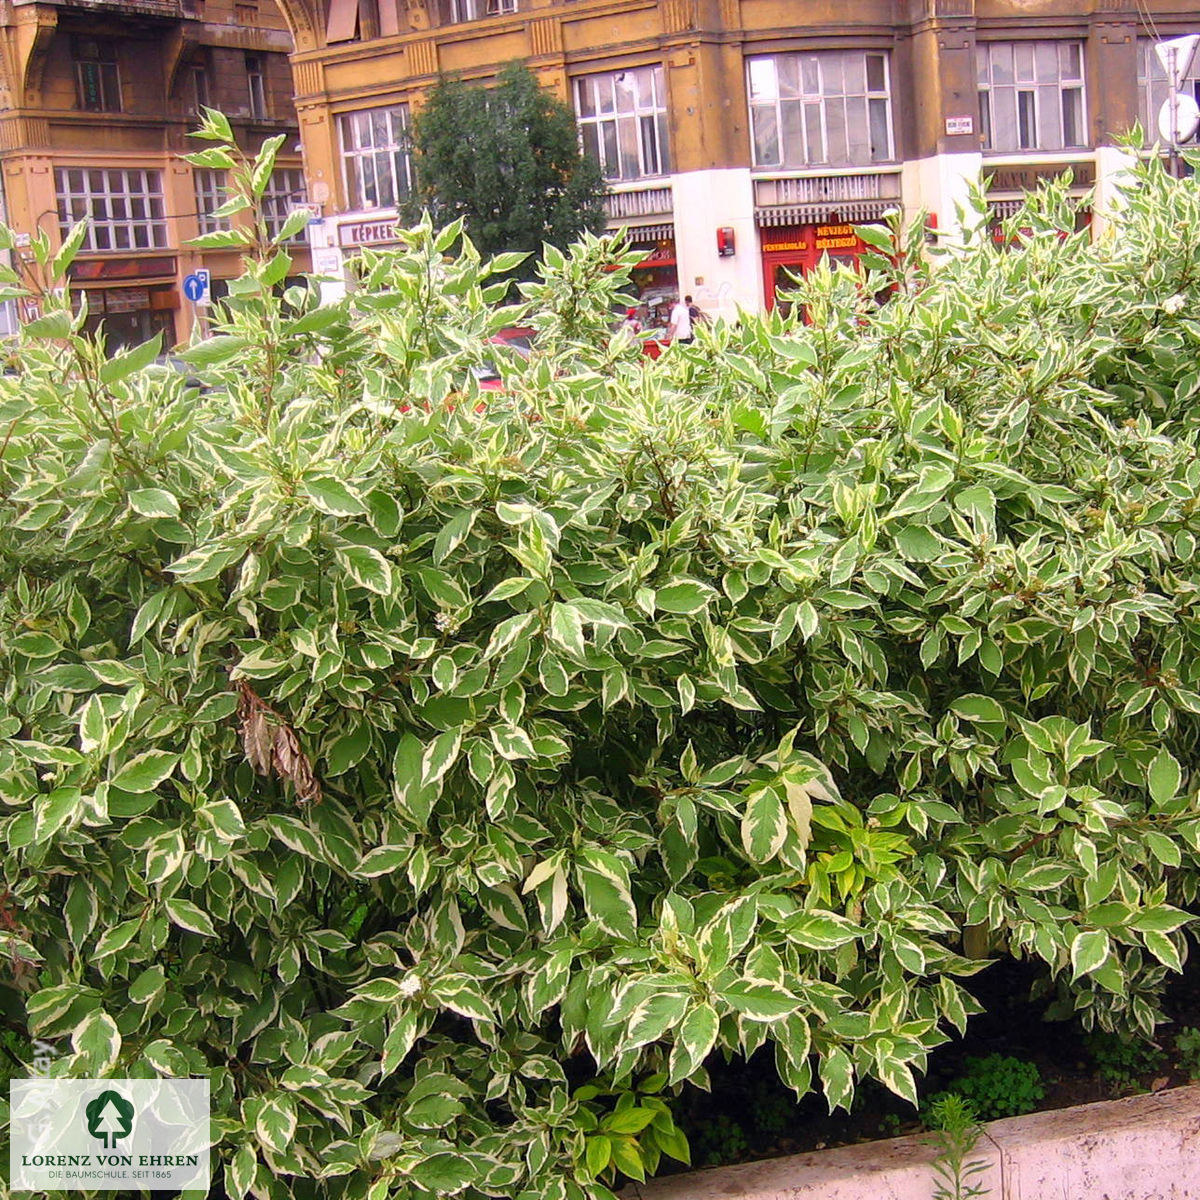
(222, 348)
(52, 325)
(444, 1174)
(604, 885)
(758, 1001)
(1088, 951)
(696, 1037)
(974, 707)
(129, 362)
(383, 860)
(117, 938)
(189, 916)
(332, 496)
(218, 239)
(898, 1077)
(367, 567)
(205, 562)
(1164, 777)
(145, 771)
(684, 597)
(224, 818)
(566, 629)
(275, 1121)
(764, 825)
(56, 810)
(149, 985)
(348, 750)
(597, 1154)
(399, 1041)
(97, 1042)
(440, 756)
(821, 930)
(837, 1078)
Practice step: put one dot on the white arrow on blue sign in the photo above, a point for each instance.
(196, 286)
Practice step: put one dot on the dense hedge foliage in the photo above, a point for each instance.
(447, 775)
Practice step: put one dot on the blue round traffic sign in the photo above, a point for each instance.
(194, 287)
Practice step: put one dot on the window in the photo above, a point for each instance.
(254, 79)
(1153, 90)
(375, 157)
(1031, 95)
(285, 191)
(97, 80)
(125, 207)
(198, 86)
(623, 122)
(472, 10)
(829, 107)
(210, 195)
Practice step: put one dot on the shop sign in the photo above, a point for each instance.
(775, 240)
(1025, 179)
(836, 237)
(88, 269)
(368, 233)
(660, 254)
(123, 300)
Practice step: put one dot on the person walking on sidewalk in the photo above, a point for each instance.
(680, 328)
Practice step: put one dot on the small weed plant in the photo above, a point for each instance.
(956, 1134)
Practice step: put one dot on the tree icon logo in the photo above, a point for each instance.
(110, 1117)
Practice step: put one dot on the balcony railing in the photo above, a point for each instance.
(638, 202)
(800, 199)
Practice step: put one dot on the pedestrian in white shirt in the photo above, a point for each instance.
(680, 328)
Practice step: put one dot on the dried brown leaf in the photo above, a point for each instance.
(256, 741)
(271, 745)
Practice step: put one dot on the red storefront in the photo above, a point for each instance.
(132, 298)
(655, 279)
(791, 251)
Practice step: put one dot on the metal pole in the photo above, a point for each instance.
(1173, 55)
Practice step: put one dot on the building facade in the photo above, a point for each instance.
(96, 100)
(742, 139)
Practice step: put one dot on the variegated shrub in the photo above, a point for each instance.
(447, 775)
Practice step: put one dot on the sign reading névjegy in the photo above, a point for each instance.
(109, 1134)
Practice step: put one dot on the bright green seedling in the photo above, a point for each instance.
(956, 1133)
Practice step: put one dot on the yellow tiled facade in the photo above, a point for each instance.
(742, 137)
(96, 100)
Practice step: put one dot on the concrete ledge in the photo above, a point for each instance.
(1142, 1148)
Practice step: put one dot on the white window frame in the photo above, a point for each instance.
(198, 86)
(125, 206)
(1153, 90)
(363, 155)
(285, 191)
(622, 118)
(210, 189)
(1030, 95)
(817, 96)
(472, 10)
(256, 77)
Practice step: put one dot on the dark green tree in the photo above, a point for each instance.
(506, 159)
